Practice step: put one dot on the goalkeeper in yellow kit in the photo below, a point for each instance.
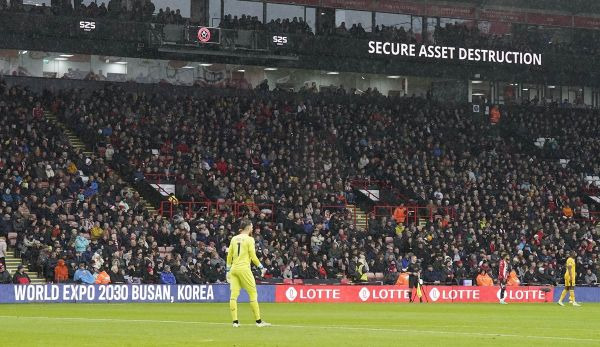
(241, 251)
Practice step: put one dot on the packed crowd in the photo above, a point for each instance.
(288, 159)
(139, 11)
(296, 25)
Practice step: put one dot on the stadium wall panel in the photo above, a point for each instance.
(79, 293)
(582, 294)
(148, 293)
(400, 294)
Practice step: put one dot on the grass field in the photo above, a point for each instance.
(338, 325)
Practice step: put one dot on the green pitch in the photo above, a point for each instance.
(338, 325)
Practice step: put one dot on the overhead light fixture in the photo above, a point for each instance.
(270, 69)
(514, 84)
(551, 87)
(241, 70)
(121, 62)
(476, 82)
(24, 52)
(66, 55)
(205, 64)
(187, 67)
(394, 77)
(333, 73)
(61, 58)
(525, 89)
(478, 94)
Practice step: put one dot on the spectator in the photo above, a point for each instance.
(61, 272)
(81, 243)
(102, 277)
(3, 248)
(21, 277)
(590, 277)
(166, 276)
(5, 277)
(484, 279)
(83, 275)
(513, 280)
(431, 276)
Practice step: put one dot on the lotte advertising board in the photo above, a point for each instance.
(400, 294)
(74, 293)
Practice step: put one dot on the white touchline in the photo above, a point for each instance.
(360, 328)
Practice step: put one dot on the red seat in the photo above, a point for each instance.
(344, 281)
(287, 281)
(298, 281)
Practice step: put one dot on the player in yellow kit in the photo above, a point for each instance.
(569, 281)
(239, 255)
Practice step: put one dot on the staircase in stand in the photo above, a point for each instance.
(12, 263)
(360, 217)
(76, 143)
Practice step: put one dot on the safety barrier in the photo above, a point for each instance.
(414, 213)
(157, 293)
(209, 208)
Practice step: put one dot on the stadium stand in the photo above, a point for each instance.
(289, 161)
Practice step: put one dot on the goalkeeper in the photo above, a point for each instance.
(241, 251)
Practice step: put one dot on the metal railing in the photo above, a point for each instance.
(414, 213)
(210, 208)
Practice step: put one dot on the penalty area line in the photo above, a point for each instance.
(327, 327)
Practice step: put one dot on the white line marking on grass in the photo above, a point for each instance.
(293, 326)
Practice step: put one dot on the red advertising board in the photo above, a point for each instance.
(586, 22)
(502, 16)
(395, 6)
(550, 19)
(400, 294)
(451, 11)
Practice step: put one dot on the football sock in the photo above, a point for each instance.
(562, 295)
(255, 309)
(233, 308)
(571, 295)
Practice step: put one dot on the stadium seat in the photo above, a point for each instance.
(288, 281)
(298, 281)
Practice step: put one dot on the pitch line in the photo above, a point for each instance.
(294, 326)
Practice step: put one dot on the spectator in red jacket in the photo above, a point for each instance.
(21, 276)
